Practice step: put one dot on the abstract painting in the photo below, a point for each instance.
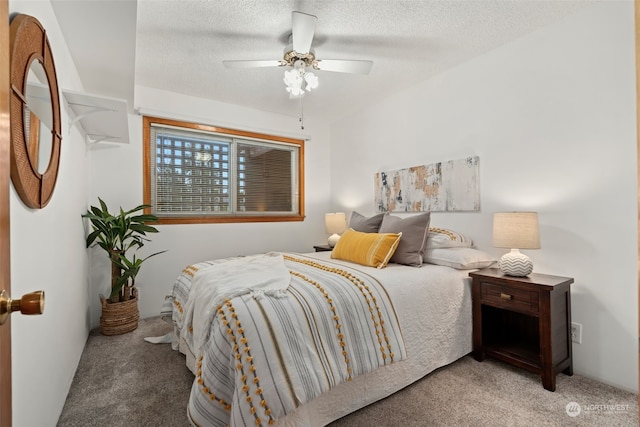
(444, 186)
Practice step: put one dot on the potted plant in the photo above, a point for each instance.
(118, 234)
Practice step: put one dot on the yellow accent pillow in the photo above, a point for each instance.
(372, 249)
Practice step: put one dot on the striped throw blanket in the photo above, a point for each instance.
(266, 356)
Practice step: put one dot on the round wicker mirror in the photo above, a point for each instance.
(35, 111)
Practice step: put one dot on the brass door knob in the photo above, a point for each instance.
(31, 303)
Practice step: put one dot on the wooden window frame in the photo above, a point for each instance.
(231, 218)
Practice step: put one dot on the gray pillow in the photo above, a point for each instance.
(363, 224)
(414, 230)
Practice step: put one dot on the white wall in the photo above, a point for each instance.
(48, 253)
(552, 118)
(116, 176)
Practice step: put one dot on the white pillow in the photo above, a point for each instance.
(459, 258)
(444, 238)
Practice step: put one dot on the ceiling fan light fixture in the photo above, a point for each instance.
(311, 80)
(295, 91)
(300, 59)
(297, 80)
(292, 78)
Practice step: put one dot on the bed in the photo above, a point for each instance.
(426, 312)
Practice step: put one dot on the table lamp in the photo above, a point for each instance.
(336, 224)
(515, 231)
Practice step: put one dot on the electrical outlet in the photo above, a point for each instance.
(576, 333)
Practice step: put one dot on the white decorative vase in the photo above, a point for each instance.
(515, 263)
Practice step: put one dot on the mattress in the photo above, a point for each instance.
(433, 307)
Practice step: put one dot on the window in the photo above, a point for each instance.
(196, 173)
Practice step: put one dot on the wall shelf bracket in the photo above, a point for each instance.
(98, 118)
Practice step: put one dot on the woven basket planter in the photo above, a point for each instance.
(119, 317)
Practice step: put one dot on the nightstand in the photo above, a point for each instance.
(323, 248)
(524, 321)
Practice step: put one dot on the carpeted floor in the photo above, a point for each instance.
(125, 381)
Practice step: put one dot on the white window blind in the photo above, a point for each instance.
(198, 173)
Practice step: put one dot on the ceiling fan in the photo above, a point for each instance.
(301, 58)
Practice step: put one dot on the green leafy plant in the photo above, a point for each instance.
(117, 234)
(129, 270)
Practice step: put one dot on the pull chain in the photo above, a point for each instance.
(301, 113)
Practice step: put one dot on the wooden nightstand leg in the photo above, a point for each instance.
(547, 371)
(569, 369)
(548, 378)
(478, 348)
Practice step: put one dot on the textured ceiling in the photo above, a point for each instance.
(180, 44)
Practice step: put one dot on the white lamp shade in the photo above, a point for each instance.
(516, 230)
(335, 224)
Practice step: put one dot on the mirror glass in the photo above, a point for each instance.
(38, 118)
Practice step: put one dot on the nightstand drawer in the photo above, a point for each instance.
(510, 298)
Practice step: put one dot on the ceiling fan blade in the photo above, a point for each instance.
(303, 26)
(253, 64)
(345, 66)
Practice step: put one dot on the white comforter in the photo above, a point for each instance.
(258, 359)
(433, 304)
(258, 275)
